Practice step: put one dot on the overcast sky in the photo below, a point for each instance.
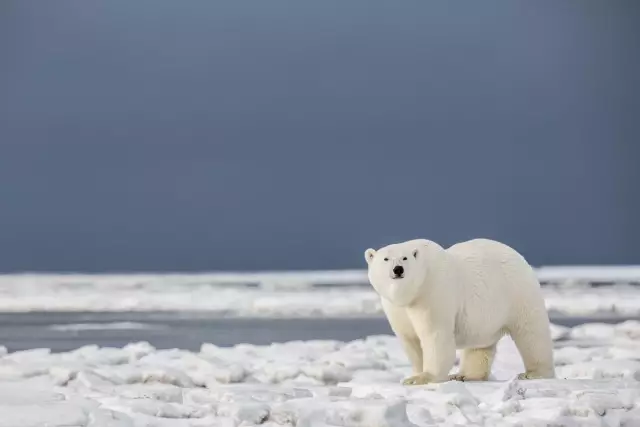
(168, 135)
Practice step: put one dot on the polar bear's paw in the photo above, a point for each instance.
(419, 379)
(531, 376)
(460, 377)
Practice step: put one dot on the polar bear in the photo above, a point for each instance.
(465, 297)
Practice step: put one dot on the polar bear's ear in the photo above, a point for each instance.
(415, 253)
(369, 254)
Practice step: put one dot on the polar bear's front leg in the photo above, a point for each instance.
(438, 357)
(412, 347)
(438, 354)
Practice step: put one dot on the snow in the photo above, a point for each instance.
(585, 274)
(287, 294)
(319, 383)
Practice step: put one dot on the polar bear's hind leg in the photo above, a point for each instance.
(532, 337)
(475, 364)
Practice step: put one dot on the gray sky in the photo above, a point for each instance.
(164, 135)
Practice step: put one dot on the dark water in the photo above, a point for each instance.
(190, 330)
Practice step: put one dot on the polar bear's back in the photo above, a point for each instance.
(487, 251)
(503, 272)
(482, 245)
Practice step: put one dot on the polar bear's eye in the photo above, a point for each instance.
(404, 259)
(386, 259)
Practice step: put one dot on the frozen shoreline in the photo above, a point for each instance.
(557, 275)
(279, 296)
(305, 383)
(318, 383)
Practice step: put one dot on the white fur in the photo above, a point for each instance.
(465, 297)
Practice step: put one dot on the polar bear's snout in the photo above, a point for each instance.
(398, 272)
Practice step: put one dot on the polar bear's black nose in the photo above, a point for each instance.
(398, 270)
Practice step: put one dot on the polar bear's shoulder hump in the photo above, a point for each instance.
(480, 245)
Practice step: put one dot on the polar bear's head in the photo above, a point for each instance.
(397, 272)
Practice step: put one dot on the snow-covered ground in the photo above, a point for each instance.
(333, 293)
(308, 383)
(319, 383)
